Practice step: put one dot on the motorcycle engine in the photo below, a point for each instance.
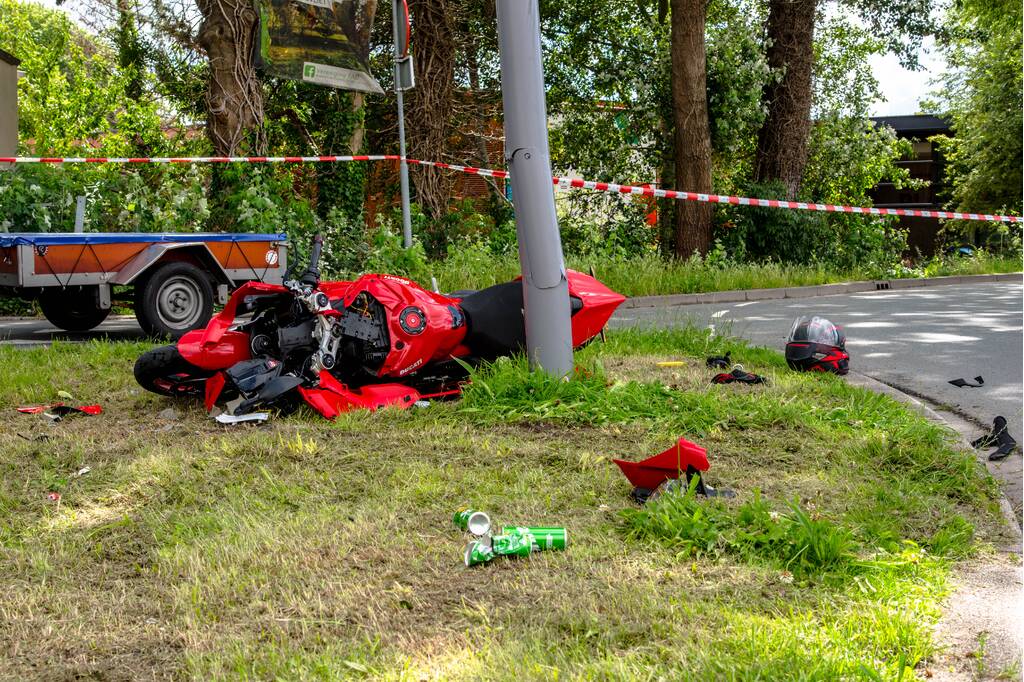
(363, 332)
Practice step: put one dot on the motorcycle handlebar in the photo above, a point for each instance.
(314, 258)
(312, 275)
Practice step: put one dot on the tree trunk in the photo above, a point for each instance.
(430, 102)
(234, 99)
(692, 129)
(782, 142)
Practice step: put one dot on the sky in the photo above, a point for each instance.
(901, 89)
(904, 89)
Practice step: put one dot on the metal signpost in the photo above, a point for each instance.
(404, 80)
(545, 286)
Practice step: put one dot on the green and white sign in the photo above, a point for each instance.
(318, 41)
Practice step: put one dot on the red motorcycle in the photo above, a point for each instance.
(380, 340)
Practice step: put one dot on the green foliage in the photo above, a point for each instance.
(737, 72)
(981, 93)
(73, 97)
(259, 198)
(774, 235)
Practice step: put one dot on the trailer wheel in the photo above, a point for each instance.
(175, 298)
(74, 309)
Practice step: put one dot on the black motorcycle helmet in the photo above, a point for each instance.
(817, 345)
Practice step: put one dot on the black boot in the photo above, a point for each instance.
(990, 438)
(1006, 445)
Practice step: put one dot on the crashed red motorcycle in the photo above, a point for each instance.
(379, 340)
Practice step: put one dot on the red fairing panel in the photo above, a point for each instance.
(222, 321)
(332, 397)
(651, 472)
(424, 326)
(599, 302)
(214, 385)
(232, 347)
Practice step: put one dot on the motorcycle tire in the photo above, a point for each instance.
(163, 371)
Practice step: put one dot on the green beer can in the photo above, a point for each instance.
(544, 537)
(512, 544)
(475, 522)
(477, 553)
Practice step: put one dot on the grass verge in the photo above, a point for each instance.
(304, 549)
(473, 267)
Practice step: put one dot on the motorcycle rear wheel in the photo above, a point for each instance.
(165, 372)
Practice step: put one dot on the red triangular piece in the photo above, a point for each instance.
(653, 471)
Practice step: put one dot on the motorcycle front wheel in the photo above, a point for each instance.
(163, 371)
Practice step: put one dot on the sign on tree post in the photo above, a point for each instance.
(326, 42)
(545, 285)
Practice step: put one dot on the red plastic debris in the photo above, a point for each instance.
(53, 497)
(60, 409)
(653, 471)
(36, 409)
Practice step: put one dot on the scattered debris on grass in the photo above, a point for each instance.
(738, 374)
(475, 522)
(719, 361)
(169, 414)
(512, 541)
(225, 418)
(57, 411)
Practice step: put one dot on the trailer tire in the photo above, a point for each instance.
(164, 371)
(174, 298)
(73, 309)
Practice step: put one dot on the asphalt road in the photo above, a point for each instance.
(916, 340)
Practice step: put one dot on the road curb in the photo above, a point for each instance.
(743, 295)
(864, 381)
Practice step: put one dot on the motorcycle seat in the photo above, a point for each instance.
(494, 319)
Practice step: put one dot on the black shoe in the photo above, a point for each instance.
(1006, 445)
(991, 438)
(719, 361)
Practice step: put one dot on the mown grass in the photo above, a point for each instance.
(312, 550)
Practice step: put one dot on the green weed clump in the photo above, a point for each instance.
(796, 539)
(793, 540)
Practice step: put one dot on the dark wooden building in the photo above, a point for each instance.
(924, 163)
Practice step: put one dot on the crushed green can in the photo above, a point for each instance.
(475, 522)
(512, 544)
(478, 553)
(544, 537)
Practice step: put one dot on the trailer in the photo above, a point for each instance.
(171, 280)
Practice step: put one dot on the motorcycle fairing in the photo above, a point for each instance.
(214, 386)
(435, 333)
(231, 348)
(332, 397)
(220, 323)
(651, 472)
(599, 303)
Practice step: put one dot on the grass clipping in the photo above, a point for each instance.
(306, 549)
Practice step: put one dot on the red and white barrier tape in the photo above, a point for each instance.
(561, 182)
(577, 183)
(193, 159)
